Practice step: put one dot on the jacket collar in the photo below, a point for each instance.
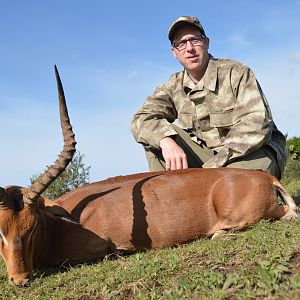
(209, 79)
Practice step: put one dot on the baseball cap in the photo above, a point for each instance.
(184, 19)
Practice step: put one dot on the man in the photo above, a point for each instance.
(223, 118)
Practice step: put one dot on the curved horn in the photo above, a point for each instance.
(65, 157)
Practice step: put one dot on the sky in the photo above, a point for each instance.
(111, 55)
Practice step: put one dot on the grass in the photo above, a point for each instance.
(260, 263)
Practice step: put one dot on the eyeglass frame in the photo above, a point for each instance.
(195, 41)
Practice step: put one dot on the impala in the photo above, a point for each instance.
(127, 213)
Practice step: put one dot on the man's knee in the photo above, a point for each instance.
(262, 159)
(155, 160)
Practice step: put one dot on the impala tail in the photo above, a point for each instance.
(293, 209)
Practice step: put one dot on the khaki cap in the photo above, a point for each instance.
(185, 19)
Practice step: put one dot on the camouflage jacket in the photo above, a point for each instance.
(226, 109)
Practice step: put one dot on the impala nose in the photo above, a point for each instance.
(20, 280)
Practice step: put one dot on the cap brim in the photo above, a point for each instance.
(179, 23)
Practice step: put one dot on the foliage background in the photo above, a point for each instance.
(291, 178)
(75, 175)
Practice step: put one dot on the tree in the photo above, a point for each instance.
(293, 145)
(75, 175)
(291, 176)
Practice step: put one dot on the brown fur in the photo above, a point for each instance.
(133, 213)
(129, 213)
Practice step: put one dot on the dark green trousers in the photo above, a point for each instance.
(262, 159)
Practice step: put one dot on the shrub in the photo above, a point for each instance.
(75, 175)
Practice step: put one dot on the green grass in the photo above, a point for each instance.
(260, 263)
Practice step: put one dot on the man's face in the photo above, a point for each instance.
(190, 48)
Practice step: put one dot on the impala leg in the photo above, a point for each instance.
(223, 232)
(218, 234)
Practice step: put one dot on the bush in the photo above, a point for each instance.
(292, 170)
(75, 175)
(293, 145)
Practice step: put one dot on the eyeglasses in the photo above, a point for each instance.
(195, 41)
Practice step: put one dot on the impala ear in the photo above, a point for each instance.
(11, 198)
(3, 198)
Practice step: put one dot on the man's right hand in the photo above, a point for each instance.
(173, 155)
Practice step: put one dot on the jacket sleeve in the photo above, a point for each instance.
(153, 120)
(252, 121)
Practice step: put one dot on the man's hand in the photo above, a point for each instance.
(174, 156)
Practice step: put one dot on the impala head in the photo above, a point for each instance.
(19, 207)
(18, 223)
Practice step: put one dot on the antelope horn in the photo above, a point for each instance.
(65, 157)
